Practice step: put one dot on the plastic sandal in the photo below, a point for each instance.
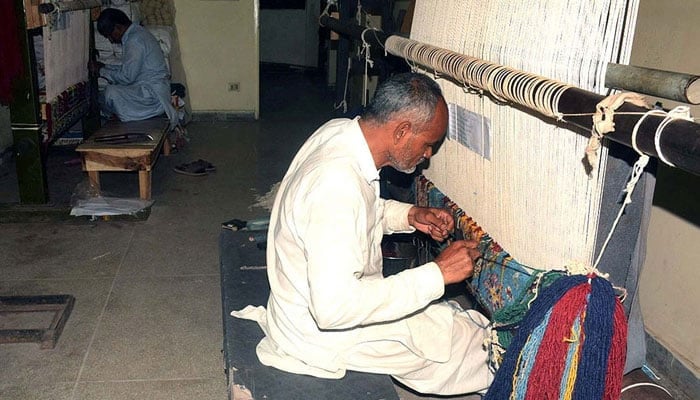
(209, 167)
(191, 169)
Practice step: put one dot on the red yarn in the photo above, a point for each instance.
(11, 65)
(617, 355)
(545, 378)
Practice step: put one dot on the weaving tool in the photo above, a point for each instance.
(125, 138)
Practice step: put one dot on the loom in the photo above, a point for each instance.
(54, 92)
(523, 189)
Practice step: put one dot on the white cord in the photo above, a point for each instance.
(680, 112)
(646, 384)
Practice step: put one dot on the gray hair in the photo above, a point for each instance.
(413, 94)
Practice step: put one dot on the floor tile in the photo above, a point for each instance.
(25, 364)
(195, 389)
(63, 251)
(159, 328)
(173, 249)
(37, 390)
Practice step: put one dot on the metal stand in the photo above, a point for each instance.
(61, 305)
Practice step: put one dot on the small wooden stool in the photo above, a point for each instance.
(137, 151)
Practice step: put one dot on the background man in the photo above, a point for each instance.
(330, 308)
(139, 88)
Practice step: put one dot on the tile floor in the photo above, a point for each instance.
(147, 317)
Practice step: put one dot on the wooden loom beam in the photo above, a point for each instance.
(679, 141)
(73, 5)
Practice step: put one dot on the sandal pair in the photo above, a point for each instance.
(195, 168)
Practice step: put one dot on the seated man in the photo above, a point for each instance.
(330, 308)
(139, 88)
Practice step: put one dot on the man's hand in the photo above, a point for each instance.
(436, 222)
(456, 262)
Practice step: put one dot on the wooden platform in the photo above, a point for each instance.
(244, 282)
(138, 152)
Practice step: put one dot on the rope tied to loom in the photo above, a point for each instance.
(603, 123)
(369, 63)
(326, 10)
(680, 112)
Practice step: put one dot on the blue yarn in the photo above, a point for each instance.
(573, 347)
(529, 354)
(598, 331)
(502, 385)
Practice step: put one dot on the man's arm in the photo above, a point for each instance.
(132, 62)
(456, 262)
(337, 241)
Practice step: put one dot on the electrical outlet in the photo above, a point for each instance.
(234, 87)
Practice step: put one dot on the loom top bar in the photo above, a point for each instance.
(679, 142)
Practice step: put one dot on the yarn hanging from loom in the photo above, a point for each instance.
(570, 345)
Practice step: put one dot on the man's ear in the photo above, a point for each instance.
(401, 129)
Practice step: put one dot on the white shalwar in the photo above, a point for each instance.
(139, 88)
(330, 309)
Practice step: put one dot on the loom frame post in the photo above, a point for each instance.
(26, 121)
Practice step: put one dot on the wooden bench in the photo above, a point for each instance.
(244, 282)
(137, 151)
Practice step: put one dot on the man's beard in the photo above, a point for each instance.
(404, 165)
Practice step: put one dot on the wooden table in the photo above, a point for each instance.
(138, 156)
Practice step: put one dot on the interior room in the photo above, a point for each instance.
(127, 243)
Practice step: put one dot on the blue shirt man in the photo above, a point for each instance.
(139, 88)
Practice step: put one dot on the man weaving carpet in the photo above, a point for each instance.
(330, 308)
(139, 88)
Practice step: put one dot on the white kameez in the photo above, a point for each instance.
(330, 309)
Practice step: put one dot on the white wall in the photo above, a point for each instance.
(219, 45)
(667, 32)
(290, 36)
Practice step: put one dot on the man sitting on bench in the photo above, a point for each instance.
(330, 309)
(139, 88)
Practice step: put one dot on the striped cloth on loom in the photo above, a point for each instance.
(550, 325)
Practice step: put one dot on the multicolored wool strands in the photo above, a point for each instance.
(570, 345)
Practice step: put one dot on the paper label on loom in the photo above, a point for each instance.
(470, 129)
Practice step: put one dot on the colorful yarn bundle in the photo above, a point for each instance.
(570, 345)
